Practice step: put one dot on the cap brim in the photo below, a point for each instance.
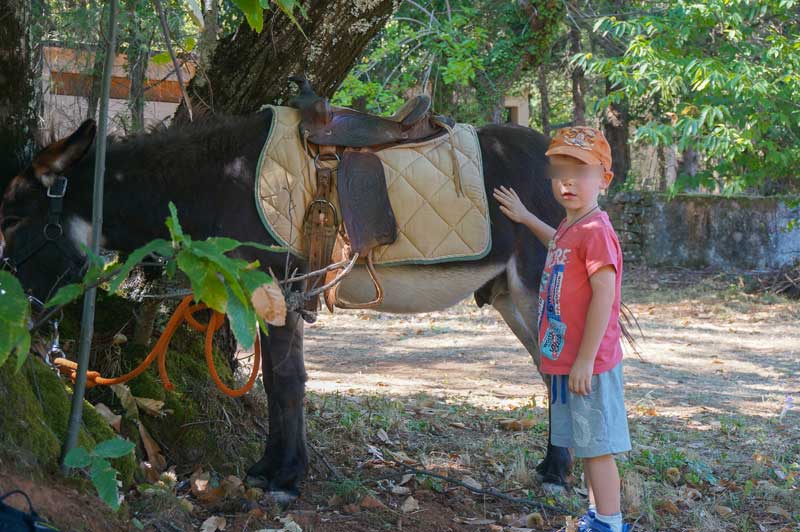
(577, 153)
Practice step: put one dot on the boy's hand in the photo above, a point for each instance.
(580, 377)
(511, 205)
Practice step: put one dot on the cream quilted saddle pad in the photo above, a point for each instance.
(434, 223)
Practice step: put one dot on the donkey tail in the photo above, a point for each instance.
(626, 320)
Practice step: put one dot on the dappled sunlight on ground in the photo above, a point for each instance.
(701, 350)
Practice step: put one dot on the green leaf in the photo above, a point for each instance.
(104, 478)
(113, 448)
(23, 348)
(161, 59)
(189, 44)
(206, 285)
(242, 318)
(252, 279)
(66, 294)
(160, 246)
(14, 314)
(264, 247)
(174, 226)
(287, 6)
(253, 12)
(77, 457)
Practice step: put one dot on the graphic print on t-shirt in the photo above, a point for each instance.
(553, 341)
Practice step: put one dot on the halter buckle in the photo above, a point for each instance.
(58, 188)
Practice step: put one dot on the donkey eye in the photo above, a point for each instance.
(9, 222)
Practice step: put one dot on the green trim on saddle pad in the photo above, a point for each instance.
(298, 191)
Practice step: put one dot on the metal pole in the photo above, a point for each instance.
(87, 318)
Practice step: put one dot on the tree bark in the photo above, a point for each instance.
(19, 100)
(615, 127)
(544, 98)
(138, 56)
(249, 69)
(578, 80)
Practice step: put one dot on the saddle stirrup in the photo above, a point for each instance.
(373, 275)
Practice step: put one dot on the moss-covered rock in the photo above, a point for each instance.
(33, 424)
(201, 425)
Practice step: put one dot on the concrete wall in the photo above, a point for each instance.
(697, 231)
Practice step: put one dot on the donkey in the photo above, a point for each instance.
(208, 169)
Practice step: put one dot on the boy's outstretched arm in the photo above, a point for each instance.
(512, 206)
(603, 282)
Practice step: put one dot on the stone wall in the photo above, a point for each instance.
(697, 231)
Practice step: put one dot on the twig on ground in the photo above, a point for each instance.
(335, 472)
(492, 492)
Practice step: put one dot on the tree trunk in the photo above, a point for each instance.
(615, 128)
(578, 80)
(249, 69)
(18, 93)
(138, 57)
(544, 98)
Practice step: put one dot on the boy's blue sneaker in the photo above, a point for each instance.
(589, 523)
(585, 518)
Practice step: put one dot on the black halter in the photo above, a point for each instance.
(52, 232)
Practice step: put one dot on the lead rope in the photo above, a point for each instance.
(184, 312)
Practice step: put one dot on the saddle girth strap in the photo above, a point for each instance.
(321, 221)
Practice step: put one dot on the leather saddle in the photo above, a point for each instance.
(343, 143)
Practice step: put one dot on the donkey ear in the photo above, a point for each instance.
(63, 154)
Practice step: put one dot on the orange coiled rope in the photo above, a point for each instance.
(184, 312)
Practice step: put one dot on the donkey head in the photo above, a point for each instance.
(38, 236)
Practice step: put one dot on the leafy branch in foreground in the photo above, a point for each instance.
(101, 472)
(223, 283)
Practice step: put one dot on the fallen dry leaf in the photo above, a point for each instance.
(371, 503)
(383, 436)
(409, 505)
(200, 485)
(232, 486)
(149, 406)
(534, 520)
(667, 507)
(213, 523)
(126, 398)
(269, 304)
(400, 490)
(777, 510)
(152, 449)
(673, 474)
(516, 424)
(723, 511)
(405, 478)
(471, 482)
(115, 420)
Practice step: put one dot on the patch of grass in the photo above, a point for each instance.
(349, 490)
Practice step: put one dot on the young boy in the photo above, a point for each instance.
(579, 333)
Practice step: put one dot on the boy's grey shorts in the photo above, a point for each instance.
(594, 424)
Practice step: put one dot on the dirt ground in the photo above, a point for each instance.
(716, 441)
(705, 347)
(716, 369)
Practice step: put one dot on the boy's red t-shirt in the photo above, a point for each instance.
(565, 293)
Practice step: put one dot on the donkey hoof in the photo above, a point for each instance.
(280, 498)
(553, 489)
(257, 481)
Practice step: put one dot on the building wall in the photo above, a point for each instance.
(698, 231)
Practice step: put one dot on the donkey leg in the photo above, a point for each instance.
(285, 459)
(517, 301)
